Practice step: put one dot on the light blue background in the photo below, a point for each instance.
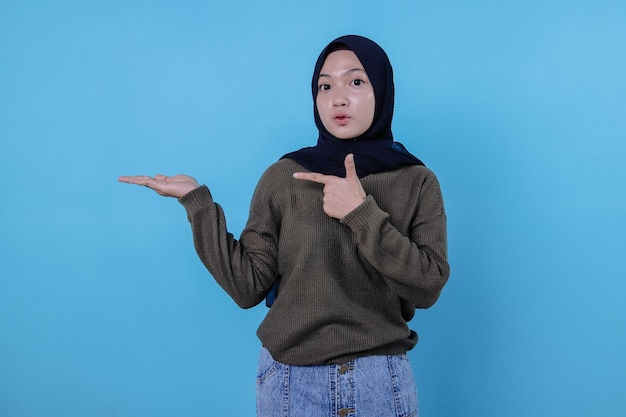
(518, 106)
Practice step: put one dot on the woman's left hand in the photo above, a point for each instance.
(341, 195)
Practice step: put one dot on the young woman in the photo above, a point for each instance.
(344, 240)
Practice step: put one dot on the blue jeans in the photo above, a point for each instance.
(373, 386)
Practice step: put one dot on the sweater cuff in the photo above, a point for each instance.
(196, 199)
(362, 217)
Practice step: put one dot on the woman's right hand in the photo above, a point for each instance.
(176, 186)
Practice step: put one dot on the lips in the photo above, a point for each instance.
(341, 119)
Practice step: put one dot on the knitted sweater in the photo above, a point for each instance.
(347, 288)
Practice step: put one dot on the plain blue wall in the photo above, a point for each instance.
(519, 107)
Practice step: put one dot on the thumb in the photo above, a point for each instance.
(350, 167)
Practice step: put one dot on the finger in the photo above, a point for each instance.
(313, 176)
(135, 179)
(160, 177)
(145, 181)
(350, 167)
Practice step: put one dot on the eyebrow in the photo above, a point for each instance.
(345, 73)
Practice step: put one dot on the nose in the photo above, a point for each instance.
(340, 99)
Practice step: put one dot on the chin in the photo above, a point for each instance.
(345, 135)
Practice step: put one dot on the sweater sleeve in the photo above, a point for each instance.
(244, 268)
(415, 267)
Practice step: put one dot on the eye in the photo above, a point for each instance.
(324, 87)
(357, 82)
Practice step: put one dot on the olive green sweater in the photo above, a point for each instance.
(347, 288)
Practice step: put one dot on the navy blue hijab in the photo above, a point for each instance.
(375, 150)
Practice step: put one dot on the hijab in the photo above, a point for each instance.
(375, 150)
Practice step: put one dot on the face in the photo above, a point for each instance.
(345, 98)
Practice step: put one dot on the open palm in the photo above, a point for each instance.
(176, 186)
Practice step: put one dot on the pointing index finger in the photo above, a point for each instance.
(312, 176)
